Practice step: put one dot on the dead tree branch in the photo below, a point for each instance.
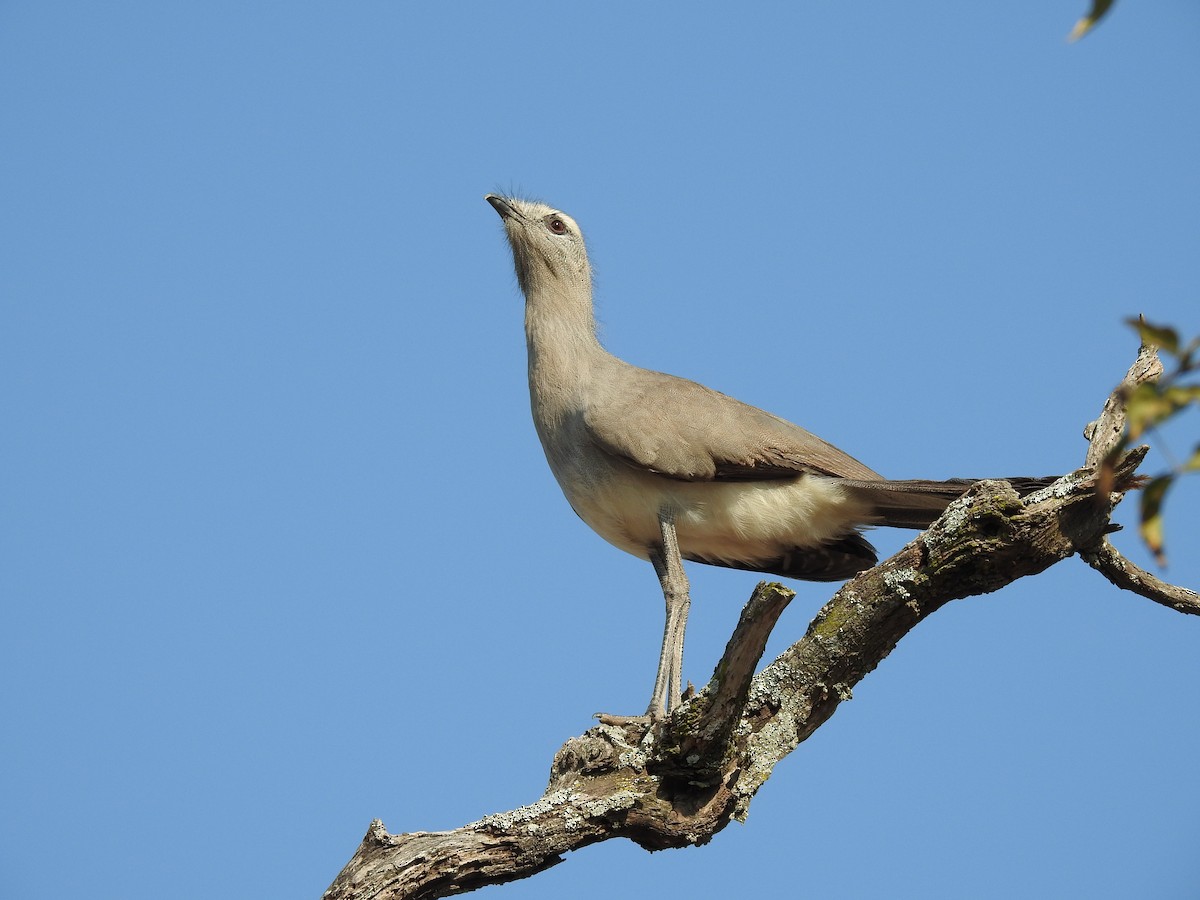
(1108, 561)
(682, 781)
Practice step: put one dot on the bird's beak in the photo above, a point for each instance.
(502, 206)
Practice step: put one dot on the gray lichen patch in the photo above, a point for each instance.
(506, 821)
(901, 581)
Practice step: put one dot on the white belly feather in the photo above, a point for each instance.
(742, 521)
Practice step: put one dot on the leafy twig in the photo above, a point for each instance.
(1148, 406)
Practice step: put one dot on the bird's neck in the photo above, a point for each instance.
(560, 331)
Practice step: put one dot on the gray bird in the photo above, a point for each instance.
(667, 469)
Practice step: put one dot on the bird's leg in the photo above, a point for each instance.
(658, 707)
(668, 687)
(668, 564)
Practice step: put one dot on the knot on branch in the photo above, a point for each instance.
(975, 546)
(605, 749)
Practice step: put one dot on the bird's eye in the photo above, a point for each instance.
(557, 225)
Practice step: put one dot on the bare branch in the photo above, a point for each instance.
(695, 745)
(1108, 561)
(1104, 434)
(619, 781)
(985, 540)
(679, 782)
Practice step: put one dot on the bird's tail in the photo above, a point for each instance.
(917, 503)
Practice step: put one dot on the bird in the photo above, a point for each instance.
(669, 470)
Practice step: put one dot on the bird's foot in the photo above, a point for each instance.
(651, 716)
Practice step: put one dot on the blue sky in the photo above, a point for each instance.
(281, 553)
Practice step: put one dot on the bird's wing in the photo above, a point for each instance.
(683, 430)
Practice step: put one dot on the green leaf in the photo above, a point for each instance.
(1088, 22)
(1149, 405)
(1180, 395)
(1151, 526)
(1145, 407)
(1193, 462)
(1162, 336)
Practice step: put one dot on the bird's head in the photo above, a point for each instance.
(547, 245)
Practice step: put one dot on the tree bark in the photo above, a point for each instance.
(679, 782)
